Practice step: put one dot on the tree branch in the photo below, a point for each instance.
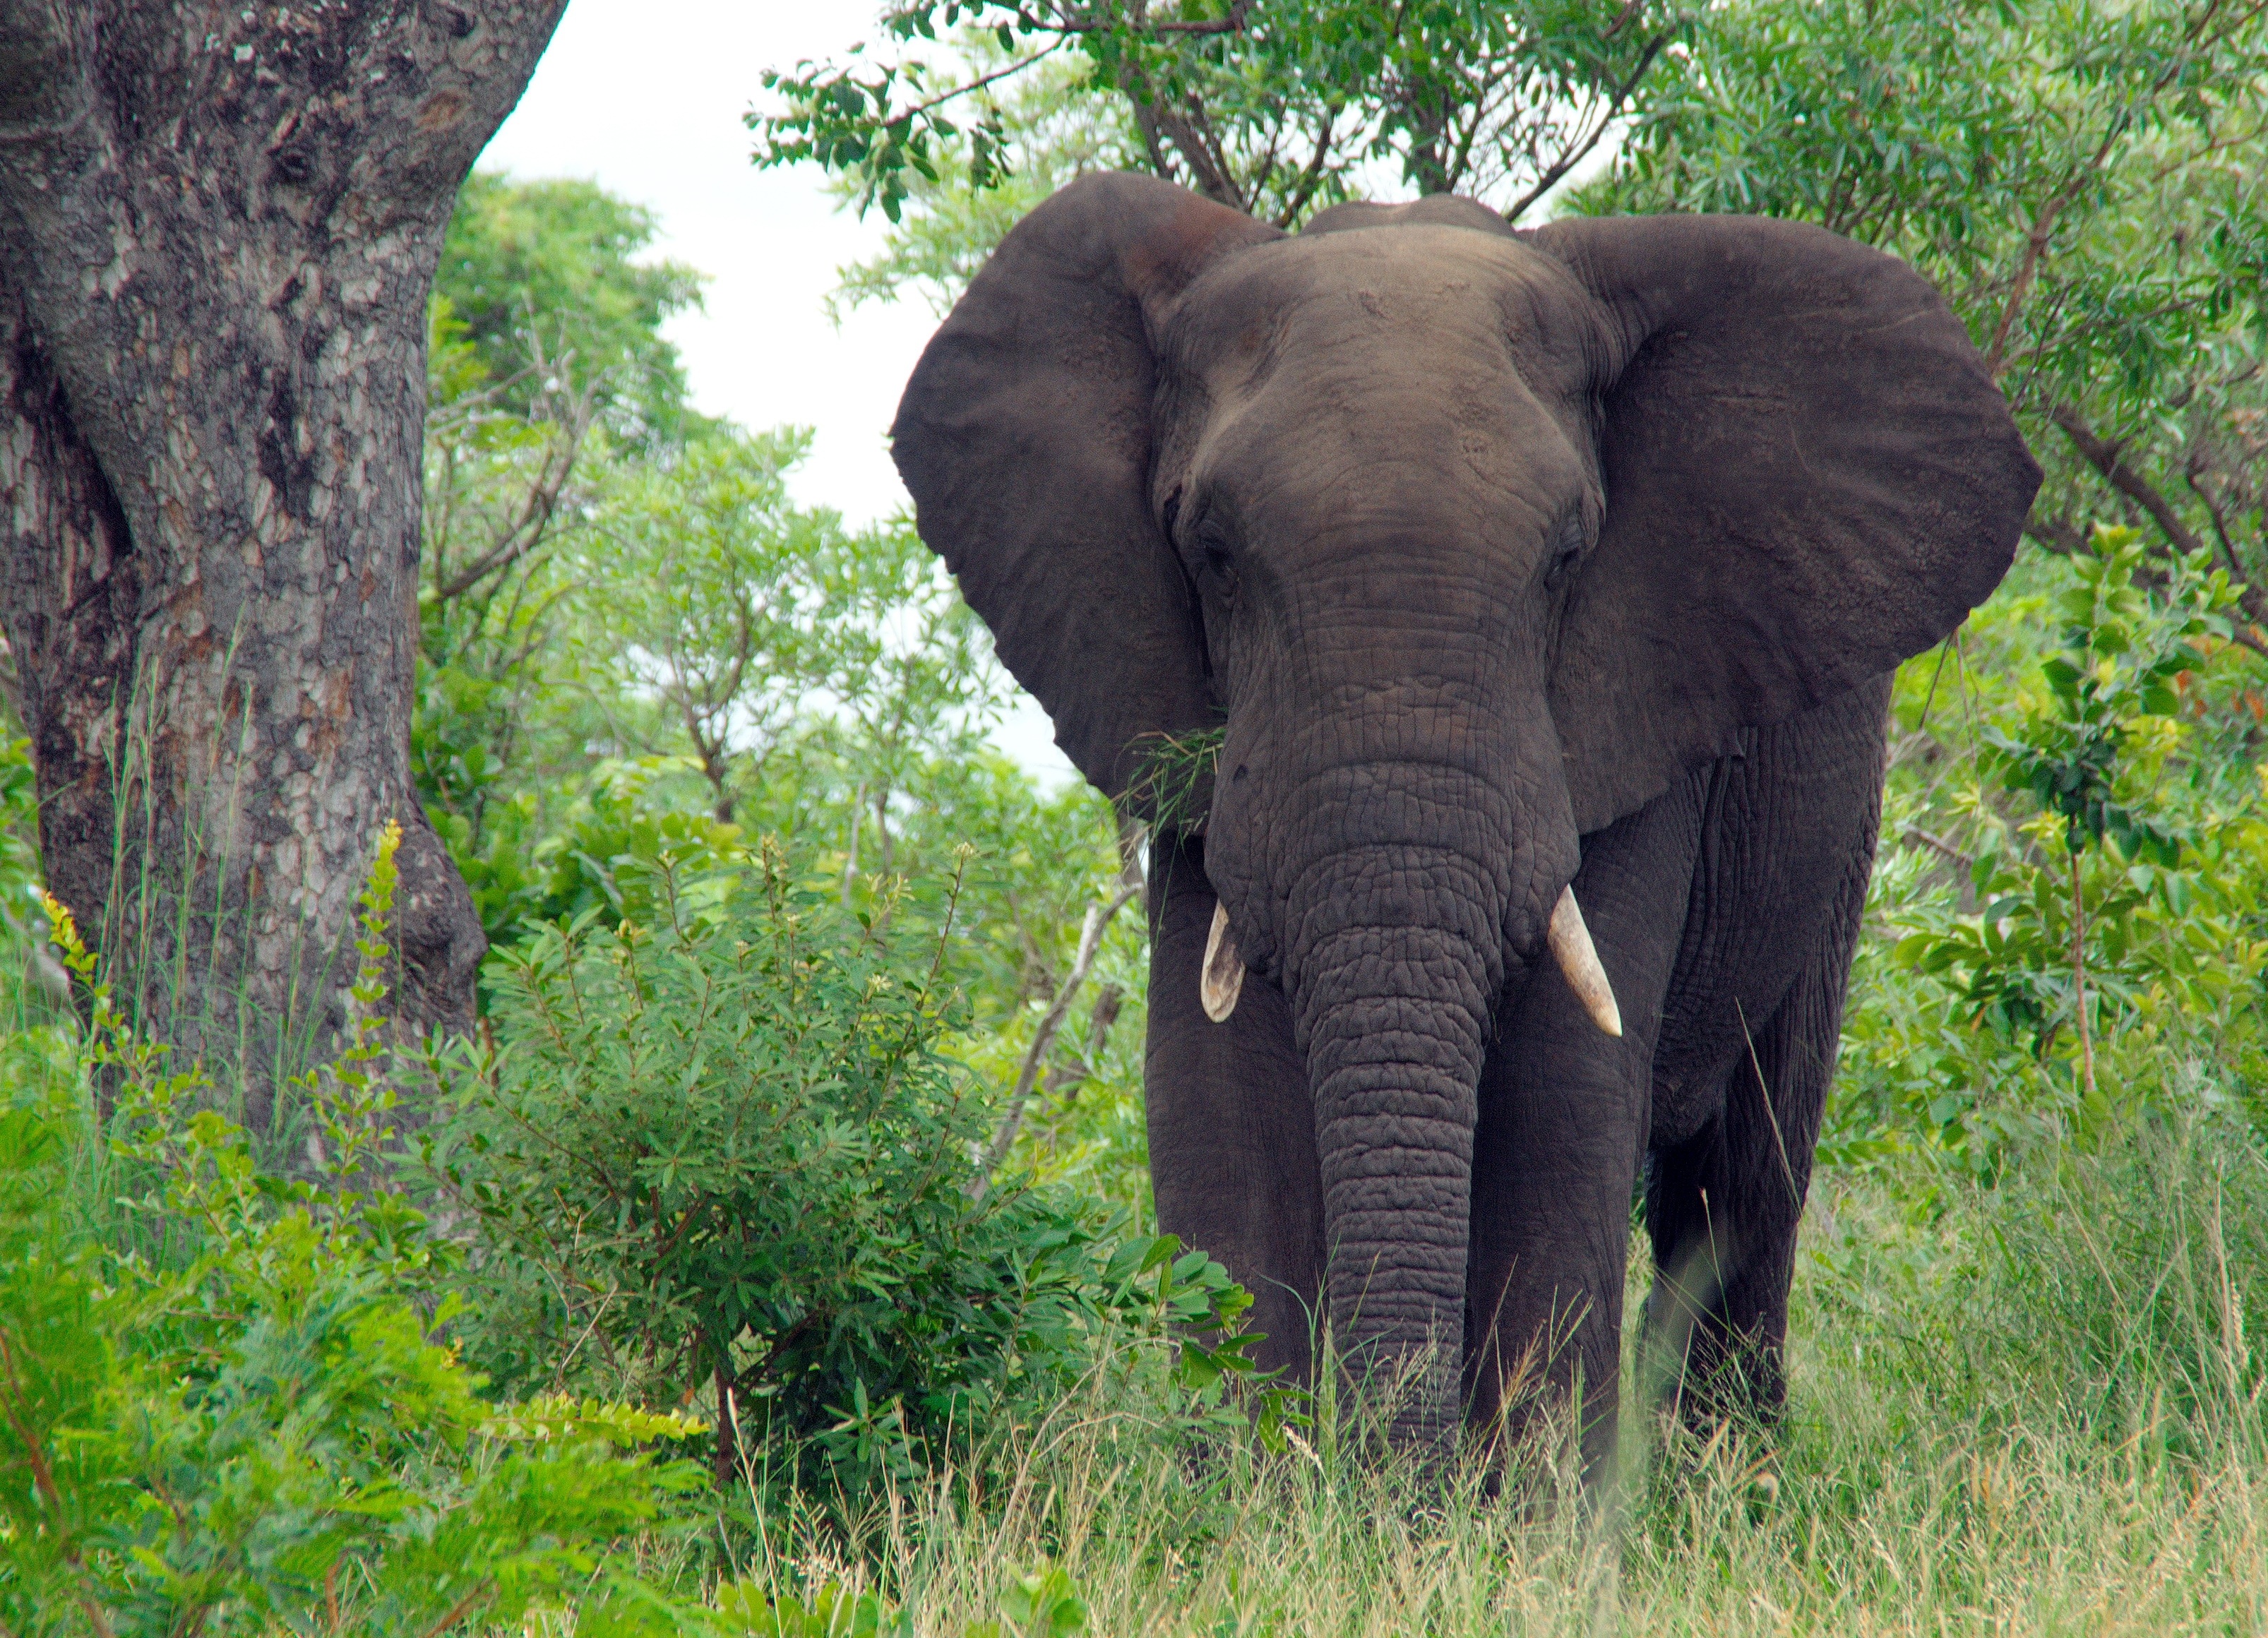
(2059, 535)
(1916, 837)
(1568, 160)
(1099, 918)
(1297, 200)
(916, 110)
(2105, 456)
(1212, 175)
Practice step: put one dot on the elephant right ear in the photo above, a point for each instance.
(1810, 474)
(1024, 438)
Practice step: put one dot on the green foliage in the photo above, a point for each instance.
(750, 1607)
(1873, 120)
(2124, 653)
(727, 1145)
(258, 1431)
(2032, 1405)
(2079, 841)
(2083, 183)
(27, 970)
(551, 276)
(1045, 1603)
(2073, 864)
(776, 928)
(1040, 130)
(1271, 107)
(497, 710)
(731, 615)
(1174, 784)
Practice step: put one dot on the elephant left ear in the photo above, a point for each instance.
(1809, 477)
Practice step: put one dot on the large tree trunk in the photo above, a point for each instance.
(218, 228)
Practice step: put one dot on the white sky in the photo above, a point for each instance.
(645, 97)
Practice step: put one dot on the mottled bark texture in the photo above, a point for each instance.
(218, 227)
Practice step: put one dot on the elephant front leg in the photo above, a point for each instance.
(1723, 1208)
(1563, 1122)
(1232, 1124)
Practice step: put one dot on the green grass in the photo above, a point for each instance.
(2027, 1408)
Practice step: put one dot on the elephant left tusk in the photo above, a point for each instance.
(1222, 979)
(1579, 963)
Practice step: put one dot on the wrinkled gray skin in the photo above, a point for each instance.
(1511, 561)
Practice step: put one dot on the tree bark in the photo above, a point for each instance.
(218, 228)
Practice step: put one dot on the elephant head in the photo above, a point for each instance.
(1476, 540)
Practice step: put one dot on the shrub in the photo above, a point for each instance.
(2073, 927)
(267, 1437)
(727, 1153)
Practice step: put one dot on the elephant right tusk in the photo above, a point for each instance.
(1579, 963)
(1221, 979)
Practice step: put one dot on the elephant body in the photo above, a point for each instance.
(1726, 912)
(1543, 588)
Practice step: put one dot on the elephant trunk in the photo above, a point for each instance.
(1384, 847)
(1393, 961)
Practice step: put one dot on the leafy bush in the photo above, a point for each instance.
(259, 1431)
(727, 1152)
(2081, 880)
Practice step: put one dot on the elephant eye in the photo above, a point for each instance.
(1566, 550)
(1219, 557)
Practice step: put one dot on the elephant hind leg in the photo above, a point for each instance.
(1723, 1207)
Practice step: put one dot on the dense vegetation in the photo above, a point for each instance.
(776, 1259)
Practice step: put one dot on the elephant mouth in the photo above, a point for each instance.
(1220, 979)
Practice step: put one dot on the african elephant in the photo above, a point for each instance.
(1545, 586)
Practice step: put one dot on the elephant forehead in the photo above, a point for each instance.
(1432, 295)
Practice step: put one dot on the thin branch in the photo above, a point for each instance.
(43, 1481)
(2035, 244)
(1916, 837)
(534, 524)
(916, 110)
(1064, 28)
(2059, 535)
(2192, 473)
(1622, 18)
(2106, 457)
(457, 1611)
(1099, 918)
(1233, 24)
(1570, 159)
(1297, 200)
(1204, 163)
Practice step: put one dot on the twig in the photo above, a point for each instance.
(1630, 9)
(2035, 244)
(914, 110)
(1763, 1090)
(43, 1481)
(1938, 845)
(2108, 457)
(457, 1611)
(1099, 917)
(1570, 159)
(1296, 200)
(2079, 975)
